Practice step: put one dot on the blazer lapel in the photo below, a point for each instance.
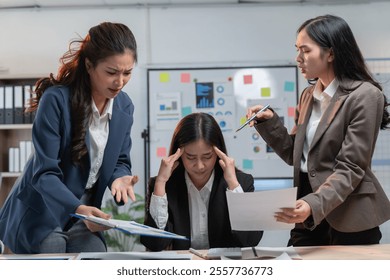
(178, 201)
(334, 106)
(305, 107)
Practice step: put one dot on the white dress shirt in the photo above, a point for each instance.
(321, 102)
(98, 132)
(198, 201)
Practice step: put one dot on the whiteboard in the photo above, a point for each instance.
(225, 93)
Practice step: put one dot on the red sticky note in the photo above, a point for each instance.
(248, 79)
(161, 152)
(185, 77)
(291, 111)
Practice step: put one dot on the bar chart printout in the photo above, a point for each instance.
(204, 95)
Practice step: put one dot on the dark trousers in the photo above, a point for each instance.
(324, 234)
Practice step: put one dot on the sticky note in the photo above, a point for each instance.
(248, 79)
(186, 111)
(185, 77)
(164, 77)
(266, 92)
(247, 164)
(291, 111)
(289, 86)
(161, 152)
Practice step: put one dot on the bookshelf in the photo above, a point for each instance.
(10, 136)
(15, 131)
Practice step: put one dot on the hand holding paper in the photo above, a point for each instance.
(256, 210)
(294, 215)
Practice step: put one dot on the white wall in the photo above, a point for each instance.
(33, 40)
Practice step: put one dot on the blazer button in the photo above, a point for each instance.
(312, 173)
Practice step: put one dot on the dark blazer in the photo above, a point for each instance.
(219, 229)
(345, 191)
(50, 187)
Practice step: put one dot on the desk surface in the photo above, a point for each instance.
(364, 252)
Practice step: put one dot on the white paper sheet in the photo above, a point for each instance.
(163, 255)
(255, 210)
(276, 253)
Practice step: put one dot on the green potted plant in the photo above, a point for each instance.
(119, 241)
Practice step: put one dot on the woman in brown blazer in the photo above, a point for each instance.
(337, 120)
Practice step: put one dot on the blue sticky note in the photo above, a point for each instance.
(186, 111)
(289, 86)
(247, 164)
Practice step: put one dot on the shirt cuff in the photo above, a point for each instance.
(159, 210)
(237, 189)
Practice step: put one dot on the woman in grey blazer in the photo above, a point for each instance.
(81, 136)
(337, 120)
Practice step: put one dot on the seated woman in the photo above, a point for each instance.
(188, 196)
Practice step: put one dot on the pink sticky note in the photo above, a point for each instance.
(161, 152)
(185, 77)
(291, 111)
(248, 79)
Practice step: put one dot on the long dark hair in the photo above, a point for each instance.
(197, 126)
(104, 40)
(332, 32)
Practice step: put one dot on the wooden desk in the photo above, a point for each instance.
(364, 252)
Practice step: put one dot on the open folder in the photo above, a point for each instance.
(130, 227)
(256, 210)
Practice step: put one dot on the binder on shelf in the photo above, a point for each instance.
(27, 118)
(29, 149)
(16, 160)
(9, 105)
(18, 104)
(2, 109)
(11, 159)
(31, 94)
(23, 154)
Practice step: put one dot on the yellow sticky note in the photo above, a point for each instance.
(164, 77)
(266, 92)
(242, 120)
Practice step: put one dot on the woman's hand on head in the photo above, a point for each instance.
(167, 166)
(266, 115)
(229, 169)
(93, 211)
(123, 187)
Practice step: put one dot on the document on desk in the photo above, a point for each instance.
(276, 253)
(164, 255)
(130, 227)
(255, 210)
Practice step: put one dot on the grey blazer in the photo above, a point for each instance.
(345, 191)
